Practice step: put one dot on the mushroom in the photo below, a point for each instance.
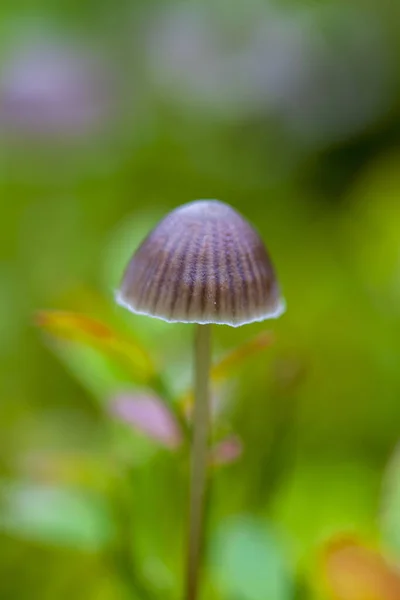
(205, 264)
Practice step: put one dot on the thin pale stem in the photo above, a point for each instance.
(201, 419)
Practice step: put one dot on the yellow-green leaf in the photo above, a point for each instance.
(236, 357)
(82, 330)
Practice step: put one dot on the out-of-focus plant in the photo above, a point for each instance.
(119, 373)
(54, 87)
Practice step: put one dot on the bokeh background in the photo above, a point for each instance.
(112, 114)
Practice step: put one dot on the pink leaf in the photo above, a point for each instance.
(149, 415)
(226, 451)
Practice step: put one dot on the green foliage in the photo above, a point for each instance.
(56, 516)
(247, 562)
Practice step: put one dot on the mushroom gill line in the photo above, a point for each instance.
(231, 283)
(184, 246)
(164, 270)
(193, 269)
(216, 254)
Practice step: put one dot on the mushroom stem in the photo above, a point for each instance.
(200, 440)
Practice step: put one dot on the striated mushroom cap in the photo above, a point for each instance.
(203, 263)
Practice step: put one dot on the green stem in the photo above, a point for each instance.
(201, 421)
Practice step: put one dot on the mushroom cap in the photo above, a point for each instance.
(203, 263)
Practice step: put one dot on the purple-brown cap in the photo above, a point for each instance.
(203, 263)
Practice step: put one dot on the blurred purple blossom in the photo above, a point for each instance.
(320, 72)
(149, 415)
(54, 88)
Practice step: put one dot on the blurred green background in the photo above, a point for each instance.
(111, 115)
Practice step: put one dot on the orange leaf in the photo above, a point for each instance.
(354, 572)
(79, 328)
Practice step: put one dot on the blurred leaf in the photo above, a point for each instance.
(390, 511)
(83, 330)
(346, 500)
(227, 451)
(247, 562)
(149, 415)
(354, 572)
(56, 516)
(66, 468)
(132, 449)
(235, 358)
(95, 371)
